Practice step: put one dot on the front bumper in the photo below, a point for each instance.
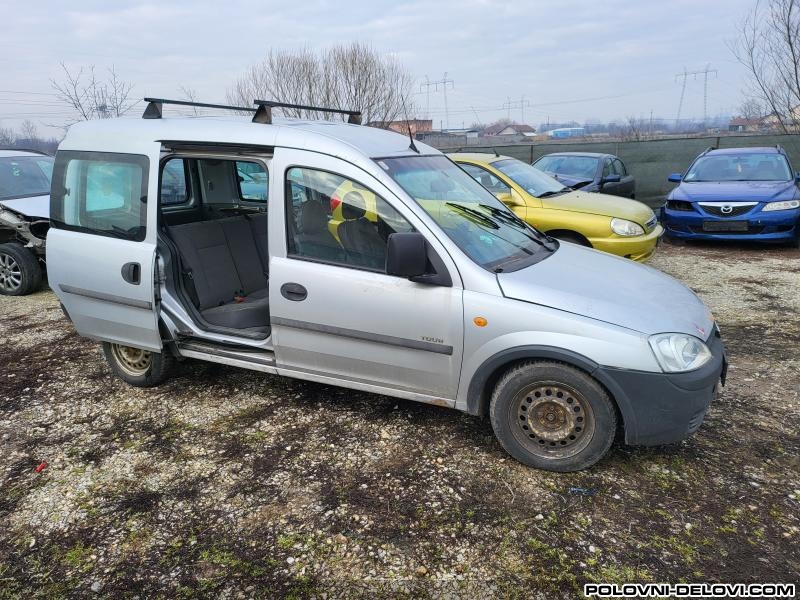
(777, 226)
(639, 248)
(663, 408)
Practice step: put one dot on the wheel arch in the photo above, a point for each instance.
(485, 377)
(570, 233)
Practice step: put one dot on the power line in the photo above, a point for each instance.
(444, 81)
(705, 73)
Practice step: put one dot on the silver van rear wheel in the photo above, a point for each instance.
(138, 367)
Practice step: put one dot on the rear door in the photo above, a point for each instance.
(335, 313)
(101, 245)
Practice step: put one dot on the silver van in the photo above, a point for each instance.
(352, 256)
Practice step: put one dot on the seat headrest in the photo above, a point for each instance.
(313, 217)
(353, 206)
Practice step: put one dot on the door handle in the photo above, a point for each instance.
(132, 273)
(294, 292)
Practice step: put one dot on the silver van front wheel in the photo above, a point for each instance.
(552, 416)
(138, 367)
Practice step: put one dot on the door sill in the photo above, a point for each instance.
(227, 354)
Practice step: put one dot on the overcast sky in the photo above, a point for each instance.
(570, 59)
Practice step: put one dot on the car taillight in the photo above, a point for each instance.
(335, 202)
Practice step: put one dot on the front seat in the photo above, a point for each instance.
(362, 244)
(314, 238)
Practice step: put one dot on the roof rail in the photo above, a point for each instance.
(264, 112)
(154, 107)
(780, 149)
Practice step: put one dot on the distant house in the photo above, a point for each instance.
(740, 124)
(415, 125)
(510, 129)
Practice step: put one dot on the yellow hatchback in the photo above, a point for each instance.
(617, 225)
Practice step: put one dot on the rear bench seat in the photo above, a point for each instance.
(228, 263)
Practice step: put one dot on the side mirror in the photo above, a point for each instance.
(612, 178)
(406, 254)
(675, 178)
(510, 198)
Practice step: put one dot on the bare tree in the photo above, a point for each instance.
(768, 46)
(29, 131)
(93, 98)
(752, 108)
(634, 130)
(352, 76)
(7, 137)
(190, 94)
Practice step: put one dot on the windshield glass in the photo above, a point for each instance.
(747, 166)
(25, 176)
(532, 180)
(479, 224)
(583, 167)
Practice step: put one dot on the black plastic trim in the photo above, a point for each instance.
(366, 336)
(76, 291)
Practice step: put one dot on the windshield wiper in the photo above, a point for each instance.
(549, 193)
(485, 219)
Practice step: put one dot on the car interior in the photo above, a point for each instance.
(214, 214)
(214, 223)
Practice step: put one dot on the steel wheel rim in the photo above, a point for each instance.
(552, 420)
(10, 273)
(133, 361)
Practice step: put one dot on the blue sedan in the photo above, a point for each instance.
(747, 194)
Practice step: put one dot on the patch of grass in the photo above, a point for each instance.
(79, 557)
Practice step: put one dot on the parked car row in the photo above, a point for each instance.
(744, 194)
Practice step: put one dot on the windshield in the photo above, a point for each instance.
(532, 180)
(25, 176)
(583, 167)
(747, 166)
(479, 224)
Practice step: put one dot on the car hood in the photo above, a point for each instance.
(762, 191)
(572, 181)
(608, 288)
(33, 207)
(600, 204)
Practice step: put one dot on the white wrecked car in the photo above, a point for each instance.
(24, 219)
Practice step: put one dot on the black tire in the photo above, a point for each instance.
(136, 367)
(568, 236)
(552, 416)
(20, 272)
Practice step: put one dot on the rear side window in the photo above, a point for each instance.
(100, 193)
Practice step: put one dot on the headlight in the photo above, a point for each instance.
(625, 227)
(678, 352)
(785, 205)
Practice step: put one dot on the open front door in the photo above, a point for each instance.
(100, 249)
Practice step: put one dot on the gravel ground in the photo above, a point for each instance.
(232, 484)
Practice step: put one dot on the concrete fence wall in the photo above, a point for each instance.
(650, 161)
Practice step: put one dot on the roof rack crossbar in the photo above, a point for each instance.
(154, 107)
(264, 112)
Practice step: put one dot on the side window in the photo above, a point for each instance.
(253, 181)
(607, 168)
(334, 219)
(100, 193)
(175, 188)
(620, 168)
(486, 179)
